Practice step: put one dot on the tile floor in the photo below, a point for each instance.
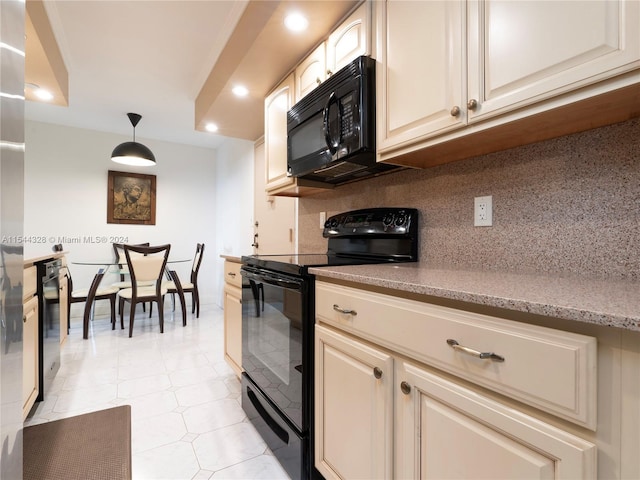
(187, 422)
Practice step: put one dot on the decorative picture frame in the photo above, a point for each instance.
(131, 198)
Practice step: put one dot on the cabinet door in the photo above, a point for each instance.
(275, 217)
(420, 90)
(354, 409)
(310, 73)
(527, 51)
(29, 354)
(233, 327)
(275, 134)
(350, 40)
(64, 306)
(440, 422)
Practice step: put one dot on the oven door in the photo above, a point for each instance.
(276, 340)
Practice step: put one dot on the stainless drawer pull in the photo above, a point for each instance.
(483, 355)
(344, 310)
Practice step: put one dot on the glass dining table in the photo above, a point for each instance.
(114, 267)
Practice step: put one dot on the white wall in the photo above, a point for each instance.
(66, 171)
(234, 197)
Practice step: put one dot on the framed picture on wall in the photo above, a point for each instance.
(131, 198)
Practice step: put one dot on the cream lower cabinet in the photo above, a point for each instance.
(353, 408)
(444, 430)
(233, 316)
(30, 355)
(29, 340)
(390, 402)
(64, 303)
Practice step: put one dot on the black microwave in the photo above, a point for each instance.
(331, 132)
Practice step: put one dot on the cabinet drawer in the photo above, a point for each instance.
(29, 284)
(232, 273)
(549, 369)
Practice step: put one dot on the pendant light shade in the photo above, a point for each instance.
(133, 153)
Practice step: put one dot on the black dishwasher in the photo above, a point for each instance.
(49, 324)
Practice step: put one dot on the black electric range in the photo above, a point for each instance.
(278, 316)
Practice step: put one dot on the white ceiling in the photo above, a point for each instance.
(146, 57)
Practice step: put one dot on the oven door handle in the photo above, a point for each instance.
(273, 280)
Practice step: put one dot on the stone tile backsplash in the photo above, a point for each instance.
(566, 206)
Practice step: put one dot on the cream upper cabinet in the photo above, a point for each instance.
(353, 406)
(451, 64)
(310, 73)
(445, 430)
(527, 51)
(420, 74)
(275, 134)
(349, 40)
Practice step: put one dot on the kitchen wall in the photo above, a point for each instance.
(66, 198)
(566, 206)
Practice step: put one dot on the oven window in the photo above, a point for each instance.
(272, 341)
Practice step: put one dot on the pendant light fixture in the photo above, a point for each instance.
(133, 153)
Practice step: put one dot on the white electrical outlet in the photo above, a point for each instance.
(323, 218)
(483, 212)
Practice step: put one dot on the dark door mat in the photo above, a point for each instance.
(94, 446)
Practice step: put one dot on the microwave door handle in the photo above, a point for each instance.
(333, 146)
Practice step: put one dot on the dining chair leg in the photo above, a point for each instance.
(178, 285)
(161, 314)
(132, 314)
(121, 309)
(112, 301)
(195, 301)
(85, 320)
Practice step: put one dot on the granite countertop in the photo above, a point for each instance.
(232, 258)
(33, 260)
(610, 303)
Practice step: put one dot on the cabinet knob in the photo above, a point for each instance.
(405, 388)
(24, 319)
(377, 372)
(455, 111)
(329, 72)
(472, 104)
(231, 274)
(318, 81)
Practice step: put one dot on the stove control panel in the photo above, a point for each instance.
(372, 221)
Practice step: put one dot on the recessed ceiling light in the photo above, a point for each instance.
(41, 93)
(240, 91)
(296, 22)
(211, 127)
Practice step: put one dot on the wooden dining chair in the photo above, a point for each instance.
(90, 296)
(123, 268)
(192, 285)
(146, 266)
